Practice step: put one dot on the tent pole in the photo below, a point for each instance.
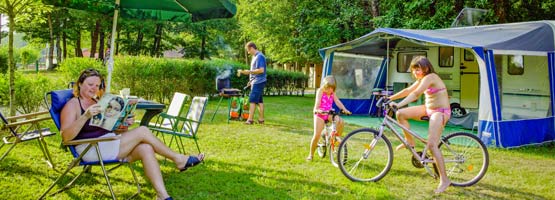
(387, 68)
(112, 45)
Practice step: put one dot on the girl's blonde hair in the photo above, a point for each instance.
(328, 82)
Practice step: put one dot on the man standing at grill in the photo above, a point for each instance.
(257, 81)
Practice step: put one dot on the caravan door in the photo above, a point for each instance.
(470, 80)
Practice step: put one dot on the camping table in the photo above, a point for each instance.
(151, 109)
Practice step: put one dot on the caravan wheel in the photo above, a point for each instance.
(457, 110)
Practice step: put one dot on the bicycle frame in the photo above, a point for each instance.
(391, 123)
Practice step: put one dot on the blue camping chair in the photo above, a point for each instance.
(58, 99)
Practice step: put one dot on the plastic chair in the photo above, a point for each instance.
(186, 127)
(166, 119)
(24, 128)
(58, 99)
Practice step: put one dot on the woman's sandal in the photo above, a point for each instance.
(192, 161)
(261, 121)
(249, 122)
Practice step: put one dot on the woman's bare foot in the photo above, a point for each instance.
(402, 146)
(442, 187)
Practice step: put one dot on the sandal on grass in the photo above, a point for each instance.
(261, 121)
(192, 161)
(249, 122)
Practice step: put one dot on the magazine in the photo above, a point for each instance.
(115, 111)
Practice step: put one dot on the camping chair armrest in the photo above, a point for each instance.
(27, 115)
(91, 140)
(16, 124)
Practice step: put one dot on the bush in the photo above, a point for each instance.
(70, 68)
(3, 60)
(29, 91)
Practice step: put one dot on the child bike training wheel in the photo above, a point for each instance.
(466, 158)
(370, 157)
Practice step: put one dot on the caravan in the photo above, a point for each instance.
(500, 76)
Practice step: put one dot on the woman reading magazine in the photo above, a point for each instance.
(135, 144)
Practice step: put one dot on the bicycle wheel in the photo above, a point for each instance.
(335, 149)
(466, 158)
(322, 145)
(369, 157)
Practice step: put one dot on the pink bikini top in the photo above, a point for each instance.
(432, 90)
(326, 102)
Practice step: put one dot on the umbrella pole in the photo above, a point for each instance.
(112, 45)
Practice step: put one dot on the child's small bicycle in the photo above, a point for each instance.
(329, 139)
(371, 155)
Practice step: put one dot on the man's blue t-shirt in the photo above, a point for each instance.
(258, 61)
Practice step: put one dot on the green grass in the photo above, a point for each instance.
(268, 162)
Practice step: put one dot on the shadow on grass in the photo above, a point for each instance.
(242, 182)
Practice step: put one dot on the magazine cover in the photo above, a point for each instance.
(115, 110)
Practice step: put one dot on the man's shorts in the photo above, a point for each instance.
(256, 93)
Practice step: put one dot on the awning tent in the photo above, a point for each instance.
(526, 38)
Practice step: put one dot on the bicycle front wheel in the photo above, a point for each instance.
(466, 158)
(369, 157)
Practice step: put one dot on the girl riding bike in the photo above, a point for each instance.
(325, 97)
(436, 107)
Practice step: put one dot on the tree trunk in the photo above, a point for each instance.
(157, 40)
(50, 44)
(500, 10)
(117, 43)
(459, 5)
(11, 62)
(203, 44)
(139, 42)
(64, 45)
(78, 51)
(94, 38)
(375, 8)
(101, 46)
(432, 8)
(58, 50)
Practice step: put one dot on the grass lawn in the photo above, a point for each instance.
(268, 162)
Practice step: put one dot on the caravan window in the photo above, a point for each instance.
(516, 65)
(446, 55)
(404, 58)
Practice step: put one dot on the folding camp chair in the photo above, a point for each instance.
(167, 119)
(26, 128)
(58, 99)
(186, 127)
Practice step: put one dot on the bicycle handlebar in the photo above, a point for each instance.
(332, 112)
(383, 103)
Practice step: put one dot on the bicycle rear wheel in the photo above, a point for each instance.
(322, 144)
(369, 157)
(466, 158)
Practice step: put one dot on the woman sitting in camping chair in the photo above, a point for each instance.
(135, 144)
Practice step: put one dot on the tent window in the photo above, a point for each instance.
(516, 65)
(404, 59)
(446, 55)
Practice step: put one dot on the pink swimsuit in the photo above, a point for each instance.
(429, 112)
(325, 105)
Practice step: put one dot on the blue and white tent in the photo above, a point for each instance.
(509, 113)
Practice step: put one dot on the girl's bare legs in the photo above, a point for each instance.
(340, 125)
(318, 127)
(261, 112)
(403, 116)
(435, 129)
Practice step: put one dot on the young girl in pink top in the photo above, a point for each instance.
(325, 97)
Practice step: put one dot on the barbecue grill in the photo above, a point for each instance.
(223, 86)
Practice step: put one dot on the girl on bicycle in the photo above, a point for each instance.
(325, 97)
(436, 107)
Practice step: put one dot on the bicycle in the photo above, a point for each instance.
(371, 154)
(329, 138)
